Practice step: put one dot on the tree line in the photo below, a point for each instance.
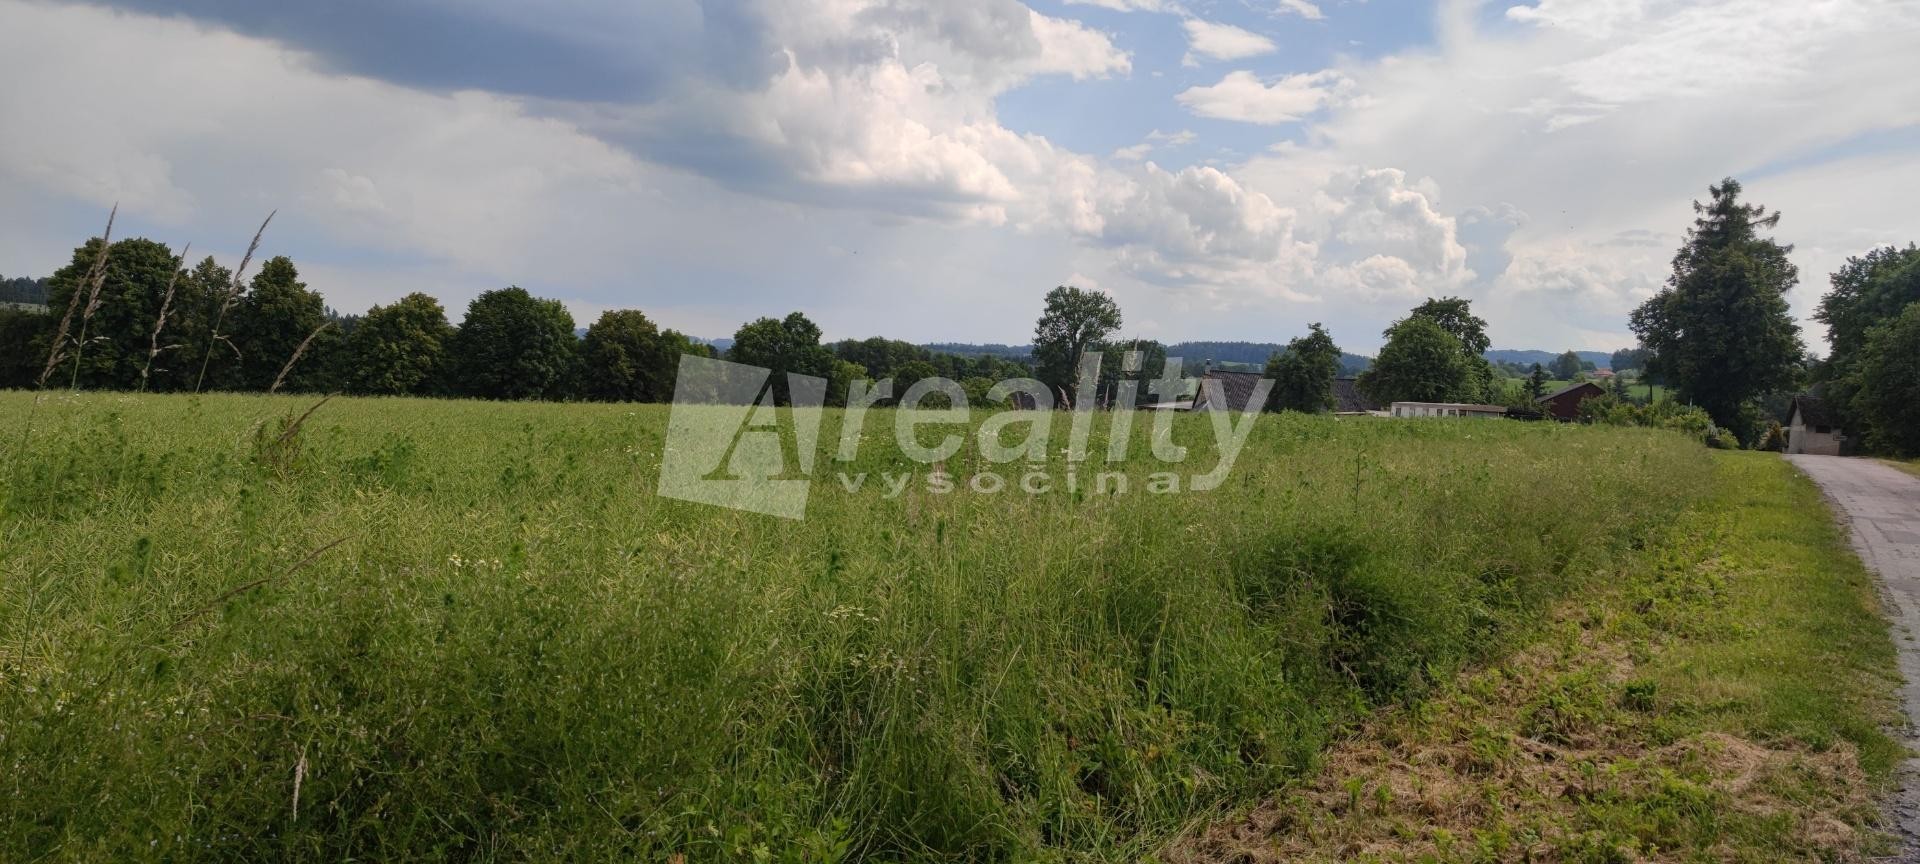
(129, 315)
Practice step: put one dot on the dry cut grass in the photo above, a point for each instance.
(1613, 738)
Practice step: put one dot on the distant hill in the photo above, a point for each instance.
(988, 349)
(1601, 359)
(1252, 354)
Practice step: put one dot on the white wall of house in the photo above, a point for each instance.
(1444, 409)
(1817, 440)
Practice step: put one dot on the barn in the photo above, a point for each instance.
(1564, 404)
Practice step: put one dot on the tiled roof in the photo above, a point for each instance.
(1814, 411)
(1347, 398)
(1569, 389)
(1236, 390)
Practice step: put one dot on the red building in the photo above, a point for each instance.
(1565, 404)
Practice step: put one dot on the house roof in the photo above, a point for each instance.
(1347, 398)
(1236, 389)
(1569, 389)
(1814, 410)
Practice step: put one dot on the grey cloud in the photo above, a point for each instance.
(1484, 232)
(590, 50)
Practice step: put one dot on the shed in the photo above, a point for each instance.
(1812, 427)
(1564, 404)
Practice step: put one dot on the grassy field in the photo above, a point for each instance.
(423, 629)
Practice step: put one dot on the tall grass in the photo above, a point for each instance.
(236, 288)
(160, 320)
(522, 653)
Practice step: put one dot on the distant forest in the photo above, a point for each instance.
(20, 289)
(1599, 359)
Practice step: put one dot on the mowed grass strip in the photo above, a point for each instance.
(1724, 699)
(519, 652)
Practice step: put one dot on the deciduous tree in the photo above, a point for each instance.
(1455, 315)
(119, 332)
(1421, 362)
(1889, 394)
(514, 345)
(1074, 321)
(277, 314)
(1566, 366)
(400, 349)
(627, 358)
(784, 345)
(1303, 373)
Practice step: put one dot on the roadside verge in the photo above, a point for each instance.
(1725, 697)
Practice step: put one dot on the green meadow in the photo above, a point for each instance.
(413, 629)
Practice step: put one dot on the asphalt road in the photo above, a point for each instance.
(1881, 504)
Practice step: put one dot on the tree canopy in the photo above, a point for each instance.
(1627, 359)
(1455, 315)
(1074, 321)
(277, 314)
(784, 345)
(401, 349)
(626, 358)
(513, 345)
(1303, 374)
(1537, 382)
(1721, 327)
(1567, 365)
(1421, 362)
(1889, 389)
(1868, 293)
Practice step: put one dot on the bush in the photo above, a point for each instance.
(1611, 410)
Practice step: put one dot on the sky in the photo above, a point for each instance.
(928, 169)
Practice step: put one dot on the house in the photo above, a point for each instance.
(1236, 390)
(1446, 409)
(1564, 404)
(1813, 428)
(1347, 398)
(1602, 374)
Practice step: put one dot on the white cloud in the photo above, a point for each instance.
(1131, 5)
(1301, 8)
(1224, 41)
(1244, 97)
(1154, 140)
(1593, 125)
(1541, 164)
(1075, 49)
